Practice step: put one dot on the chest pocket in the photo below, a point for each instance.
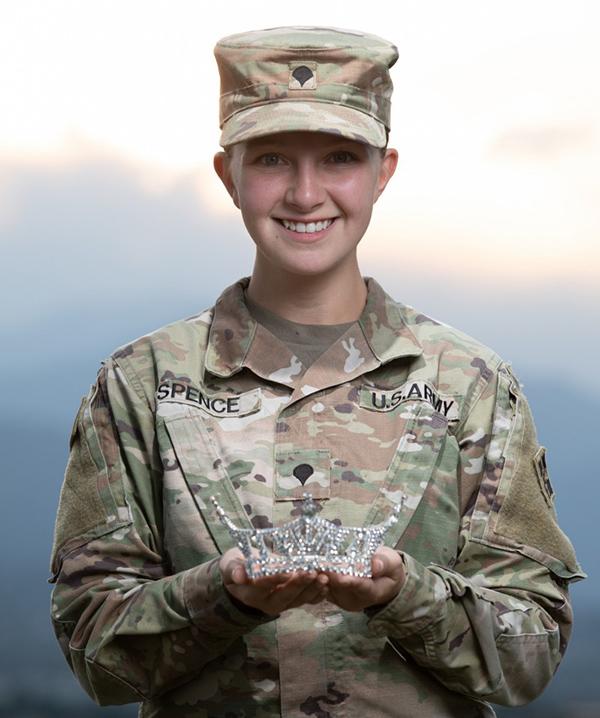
(192, 436)
(297, 471)
(418, 452)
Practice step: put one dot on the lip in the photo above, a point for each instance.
(306, 220)
(305, 237)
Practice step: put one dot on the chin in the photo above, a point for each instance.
(308, 269)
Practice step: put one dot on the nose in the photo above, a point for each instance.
(305, 190)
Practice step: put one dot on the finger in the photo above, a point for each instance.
(293, 591)
(298, 579)
(386, 562)
(377, 566)
(323, 589)
(238, 575)
(313, 600)
(322, 597)
(287, 579)
(343, 581)
(315, 592)
(272, 582)
(234, 572)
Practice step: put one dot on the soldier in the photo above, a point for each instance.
(307, 376)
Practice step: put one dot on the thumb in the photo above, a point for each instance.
(377, 565)
(238, 573)
(383, 561)
(233, 571)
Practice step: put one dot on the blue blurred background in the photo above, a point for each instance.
(112, 224)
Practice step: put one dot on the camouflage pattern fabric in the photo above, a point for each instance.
(399, 408)
(337, 80)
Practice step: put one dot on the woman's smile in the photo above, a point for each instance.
(307, 231)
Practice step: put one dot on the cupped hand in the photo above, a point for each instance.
(271, 594)
(356, 594)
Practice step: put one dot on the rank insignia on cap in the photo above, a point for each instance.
(303, 76)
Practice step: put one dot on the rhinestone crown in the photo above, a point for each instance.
(308, 543)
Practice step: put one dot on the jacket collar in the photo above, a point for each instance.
(236, 340)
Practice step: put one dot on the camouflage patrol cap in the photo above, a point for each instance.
(320, 79)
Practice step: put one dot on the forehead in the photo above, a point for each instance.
(300, 141)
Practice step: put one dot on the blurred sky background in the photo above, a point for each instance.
(112, 222)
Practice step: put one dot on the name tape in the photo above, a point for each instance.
(388, 399)
(214, 404)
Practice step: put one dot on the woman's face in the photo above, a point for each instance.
(306, 197)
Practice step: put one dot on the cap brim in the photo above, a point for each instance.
(298, 116)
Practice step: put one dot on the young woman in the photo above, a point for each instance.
(306, 376)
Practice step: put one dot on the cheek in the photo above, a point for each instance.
(359, 192)
(257, 197)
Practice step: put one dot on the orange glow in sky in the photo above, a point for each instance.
(496, 113)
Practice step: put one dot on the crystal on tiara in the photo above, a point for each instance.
(308, 543)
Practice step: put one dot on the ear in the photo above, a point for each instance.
(389, 162)
(222, 164)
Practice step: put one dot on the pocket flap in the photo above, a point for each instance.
(205, 474)
(410, 471)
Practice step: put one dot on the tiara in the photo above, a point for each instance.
(308, 543)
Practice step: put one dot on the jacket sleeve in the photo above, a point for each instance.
(129, 628)
(495, 624)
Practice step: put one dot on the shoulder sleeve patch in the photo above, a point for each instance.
(87, 507)
(80, 508)
(520, 509)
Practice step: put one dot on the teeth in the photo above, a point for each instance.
(302, 227)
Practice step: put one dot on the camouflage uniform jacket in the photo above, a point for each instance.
(400, 409)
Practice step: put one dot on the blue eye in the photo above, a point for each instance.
(342, 157)
(271, 159)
